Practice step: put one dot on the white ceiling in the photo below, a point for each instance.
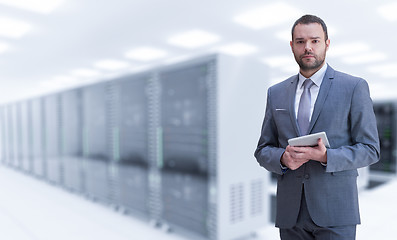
(68, 46)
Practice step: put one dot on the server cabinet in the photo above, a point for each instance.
(131, 123)
(15, 131)
(26, 136)
(72, 140)
(38, 138)
(3, 135)
(211, 185)
(52, 138)
(19, 155)
(242, 203)
(96, 141)
(8, 131)
(386, 119)
(184, 124)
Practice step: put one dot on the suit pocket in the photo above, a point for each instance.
(282, 117)
(280, 113)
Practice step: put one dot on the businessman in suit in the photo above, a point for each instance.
(317, 194)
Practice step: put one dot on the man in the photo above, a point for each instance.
(317, 187)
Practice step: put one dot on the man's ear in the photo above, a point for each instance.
(327, 44)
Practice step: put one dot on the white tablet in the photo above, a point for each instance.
(309, 140)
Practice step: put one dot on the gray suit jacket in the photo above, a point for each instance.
(344, 111)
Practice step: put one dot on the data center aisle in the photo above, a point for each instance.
(379, 213)
(34, 210)
(31, 209)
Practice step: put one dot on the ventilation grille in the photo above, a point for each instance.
(257, 197)
(236, 203)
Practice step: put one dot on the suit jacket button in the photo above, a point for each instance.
(307, 176)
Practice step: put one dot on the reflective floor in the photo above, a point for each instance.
(31, 209)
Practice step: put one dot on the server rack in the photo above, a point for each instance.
(38, 138)
(52, 138)
(174, 144)
(9, 135)
(131, 143)
(185, 158)
(236, 102)
(16, 132)
(96, 141)
(26, 137)
(3, 127)
(72, 140)
(386, 118)
(18, 136)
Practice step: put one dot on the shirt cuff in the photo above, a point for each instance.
(283, 168)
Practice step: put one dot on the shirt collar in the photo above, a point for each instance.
(317, 77)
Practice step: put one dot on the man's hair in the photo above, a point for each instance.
(307, 19)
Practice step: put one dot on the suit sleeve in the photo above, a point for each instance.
(365, 149)
(268, 152)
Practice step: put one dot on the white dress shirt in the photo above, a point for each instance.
(317, 79)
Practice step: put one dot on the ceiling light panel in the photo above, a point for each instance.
(38, 6)
(268, 15)
(193, 39)
(84, 72)
(237, 49)
(145, 54)
(12, 28)
(59, 82)
(388, 11)
(111, 64)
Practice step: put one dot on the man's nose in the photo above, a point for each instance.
(308, 47)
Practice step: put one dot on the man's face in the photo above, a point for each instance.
(309, 46)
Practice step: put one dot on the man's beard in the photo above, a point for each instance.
(310, 66)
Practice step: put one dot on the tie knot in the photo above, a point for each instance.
(308, 83)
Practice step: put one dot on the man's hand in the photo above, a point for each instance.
(295, 157)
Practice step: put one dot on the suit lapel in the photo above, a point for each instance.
(322, 95)
(291, 94)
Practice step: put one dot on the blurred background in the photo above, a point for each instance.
(138, 119)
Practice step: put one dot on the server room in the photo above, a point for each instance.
(138, 120)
